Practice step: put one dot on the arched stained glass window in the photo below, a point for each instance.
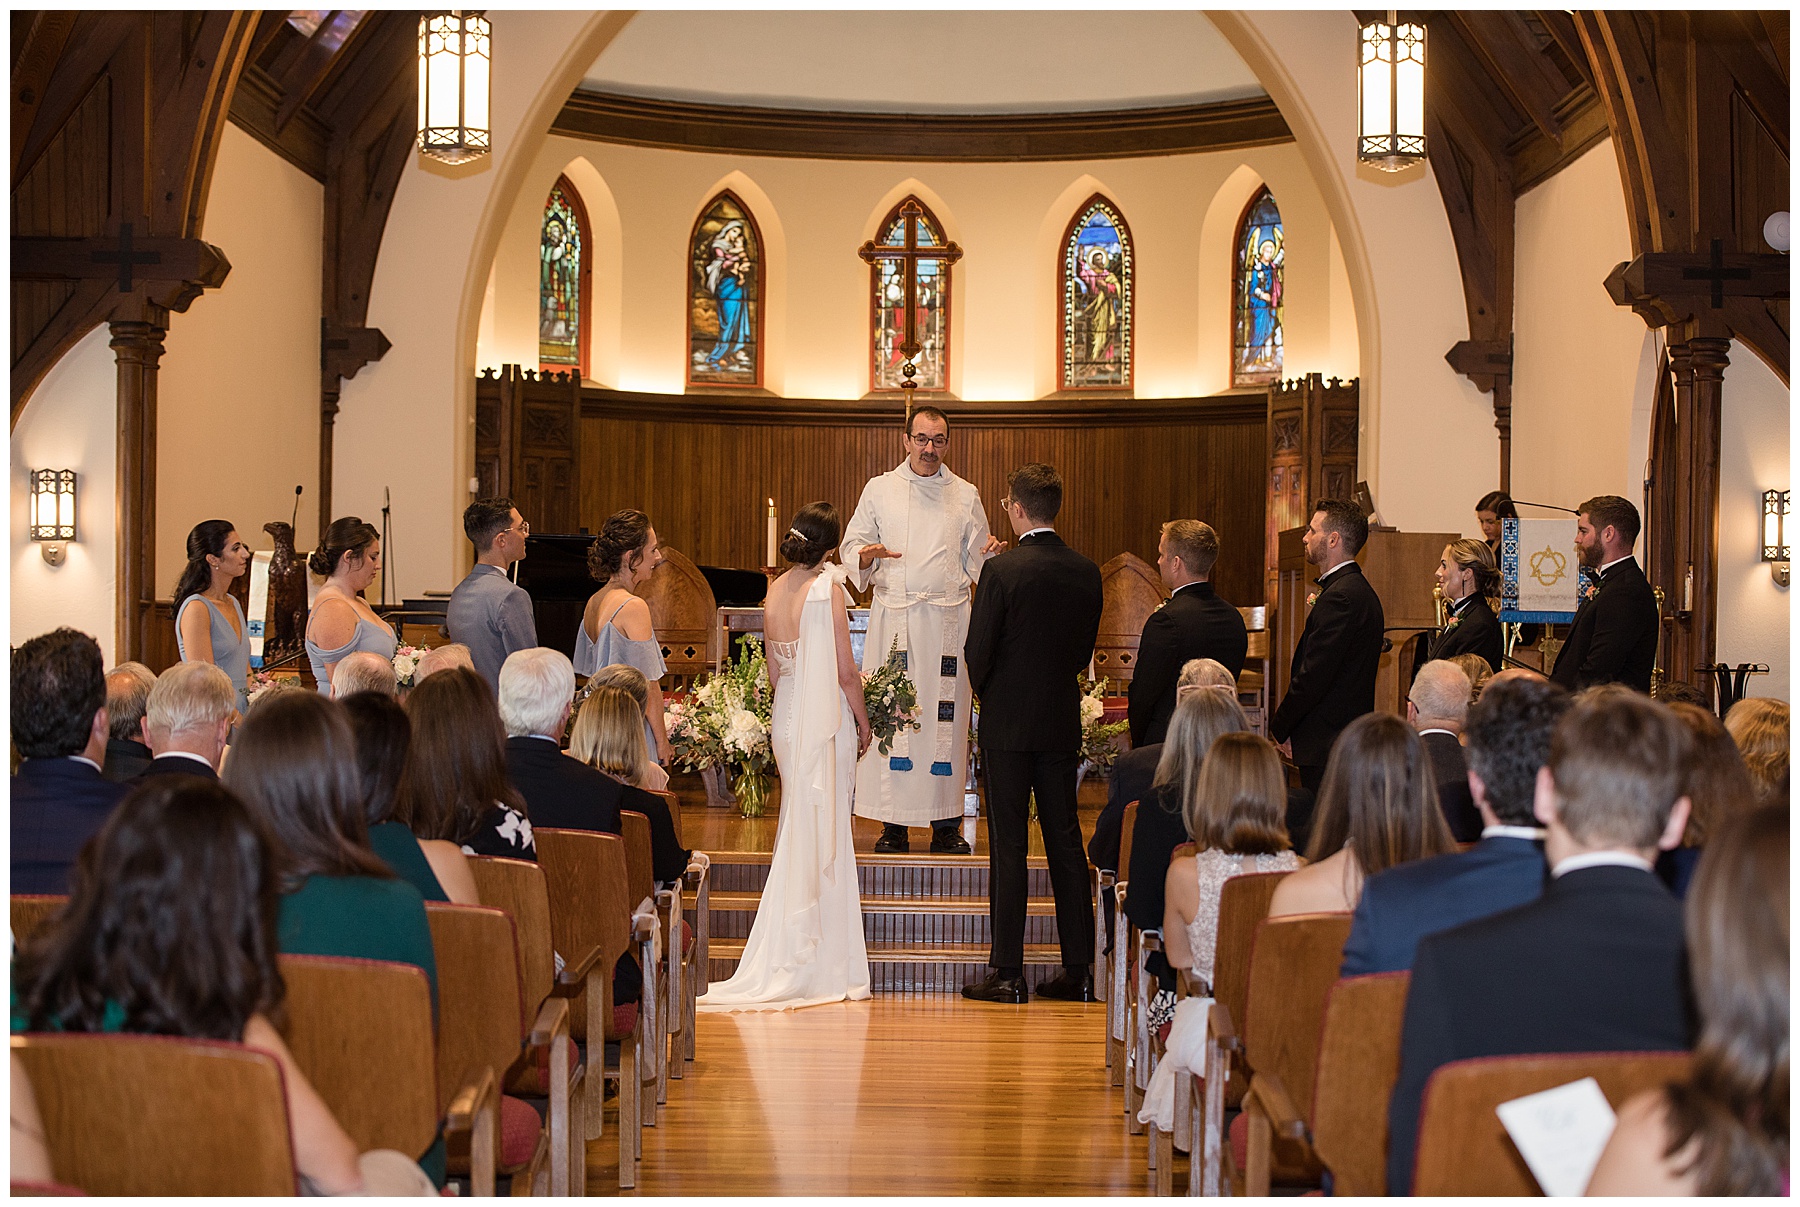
(1258, 295)
(565, 281)
(725, 295)
(888, 306)
(1098, 279)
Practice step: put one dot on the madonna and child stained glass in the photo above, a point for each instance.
(932, 313)
(1257, 335)
(1097, 272)
(725, 296)
(560, 252)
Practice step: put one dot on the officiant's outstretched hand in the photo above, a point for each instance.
(868, 554)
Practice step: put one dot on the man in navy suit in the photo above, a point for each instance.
(1598, 963)
(59, 726)
(1194, 623)
(1509, 739)
(188, 720)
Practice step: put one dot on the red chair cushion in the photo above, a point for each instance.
(519, 1130)
(543, 1066)
(625, 1018)
(1240, 1140)
(687, 937)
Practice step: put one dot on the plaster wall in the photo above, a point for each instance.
(1754, 613)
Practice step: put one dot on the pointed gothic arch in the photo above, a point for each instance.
(887, 309)
(1258, 294)
(725, 295)
(1098, 279)
(565, 281)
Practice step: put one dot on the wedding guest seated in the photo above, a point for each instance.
(442, 658)
(456, 787)
(1509, 740)
(1678, 691)
(1377, 808)
(1476, 669)
(127, 691)
(537, 689)
(1724, 1130)
(609, 735)
(1437, 706)
(170, 930)
(438, 869)
(1759, 726)
(1717, 784)
(1235, 815)
(1596, 964)
(188, 720)
(364, 671)
(634, 683)
(60, 730)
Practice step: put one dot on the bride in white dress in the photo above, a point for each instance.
(806, 946)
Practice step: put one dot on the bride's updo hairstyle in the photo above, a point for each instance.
(623, 534)
(346, 536)
(813, 534)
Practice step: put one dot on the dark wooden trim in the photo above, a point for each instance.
(967, 138)
(584, 282)
(760, 259)
(304, 141)
(736, 408)
(1127, 296)
(947, 289)
(1536, 158)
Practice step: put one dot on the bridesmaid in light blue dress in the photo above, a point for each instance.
(342, 622)
(616, 628)
(215, 633)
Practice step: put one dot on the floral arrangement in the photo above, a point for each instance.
(406, 663)
(260, 683)
(725, 720)
(1098, 736)
(890, 699)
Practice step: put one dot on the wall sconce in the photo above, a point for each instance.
(1390, 94)
(53, 511)
(455, 61)
(1776, 547)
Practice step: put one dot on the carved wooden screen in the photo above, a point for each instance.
(528, 444)
(1130, 591)
(1313, 432)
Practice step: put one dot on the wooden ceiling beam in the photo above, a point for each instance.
(1729, 37)
(1561, 28)
(1514, 62)
(1457, 76)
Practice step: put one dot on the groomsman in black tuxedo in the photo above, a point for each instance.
(1031, 632)
(1333, 678)
(1194, 623)
(1613, 639)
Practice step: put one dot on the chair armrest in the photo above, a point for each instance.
(1272, 1096)
(573, 978)
(698, 869)
(475, 1110)
(1104, 878)
(1150, 940)
(1218, 1023)
(552, 1020)
(1189, 985)
(643, 921)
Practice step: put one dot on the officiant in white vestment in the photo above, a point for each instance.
(921, 536)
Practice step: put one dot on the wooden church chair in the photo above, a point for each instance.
(31, 911)
(1293, 965)
(1122, 956)
(160, 1115)
(361, 1031)
(687, 960)
(1253, 680)
(1463, 1148)
(590, 908)
(1160, 1149)
(659, 995)
(482, 1019)
(1243, 904)
(1359, 1061)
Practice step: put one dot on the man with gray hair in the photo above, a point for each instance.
(188, 720)
(127, 692)
(1437, 706)
(363, 671)
(442, 658)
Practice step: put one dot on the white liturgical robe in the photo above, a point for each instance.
(939, 529)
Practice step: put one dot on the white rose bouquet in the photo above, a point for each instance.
(406, 664)
(890, 700)
(1099, 745)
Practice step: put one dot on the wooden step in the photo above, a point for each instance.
(1036, 907)
(882, 953)
(910, 968)
(866, 859)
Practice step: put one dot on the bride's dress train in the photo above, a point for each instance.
(806, 946)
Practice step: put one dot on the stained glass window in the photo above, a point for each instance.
(564, 281)
(1256, 319)
(888, 311)
(1097, 285)
(725, 296)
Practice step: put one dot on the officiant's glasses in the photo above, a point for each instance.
(924, 441)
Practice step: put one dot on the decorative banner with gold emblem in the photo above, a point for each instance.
(1541, 580)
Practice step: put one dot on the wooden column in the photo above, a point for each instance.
(137, 347)
(1699, 371)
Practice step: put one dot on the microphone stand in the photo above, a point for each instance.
(387, 540)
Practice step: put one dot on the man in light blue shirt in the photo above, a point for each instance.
(488, 612)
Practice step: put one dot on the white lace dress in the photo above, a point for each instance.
(1214, 868)
(806, 946)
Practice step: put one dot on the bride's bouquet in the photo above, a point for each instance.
(890, 699)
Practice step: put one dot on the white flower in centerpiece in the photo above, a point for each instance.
(1091, 710)
(404, 666)
(744, 732)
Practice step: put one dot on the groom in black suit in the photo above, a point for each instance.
(1031, 632)
(1613, 639)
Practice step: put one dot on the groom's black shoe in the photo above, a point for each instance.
(949, 842)
(892, 841)
(998, 987)
(1069, 986)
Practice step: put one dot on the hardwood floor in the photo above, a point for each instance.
(922, 1095)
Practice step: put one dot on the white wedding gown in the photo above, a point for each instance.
(806, 946)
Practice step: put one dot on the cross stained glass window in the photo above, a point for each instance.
(725, 295)
(1098, 271)
(888, 307)
(1256, 343)
(564, 281)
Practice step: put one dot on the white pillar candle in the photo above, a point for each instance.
(770, 560)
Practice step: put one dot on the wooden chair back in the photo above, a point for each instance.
(481, 1009)
(160, 1115)
(634, 828)
(31, 911)
(518, 887)
(1463, 1148)
(1359, 1060)
(1130, 589)
(590, 901)
(682, 612)
(361, 1032)
(674, 803)
(1243, 904)
(1127, 827)
(1293, 965)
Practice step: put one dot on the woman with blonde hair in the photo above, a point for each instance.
(1717, 783)
(1466, 576)
(1236, 817)
(609, 734)
(1759, 726)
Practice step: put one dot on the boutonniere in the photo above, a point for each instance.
(1162, 605)
(1312, 597)
(1452, 622)
(1589, 589)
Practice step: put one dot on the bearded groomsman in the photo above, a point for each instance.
(920, 534)
(1613, 638)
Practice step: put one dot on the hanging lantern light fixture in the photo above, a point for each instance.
(1390, 87)
(455, 60)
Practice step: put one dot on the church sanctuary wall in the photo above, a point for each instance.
(1753, 457)
(69, 423)
(238, 402)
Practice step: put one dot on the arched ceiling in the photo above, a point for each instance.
(925, 62)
